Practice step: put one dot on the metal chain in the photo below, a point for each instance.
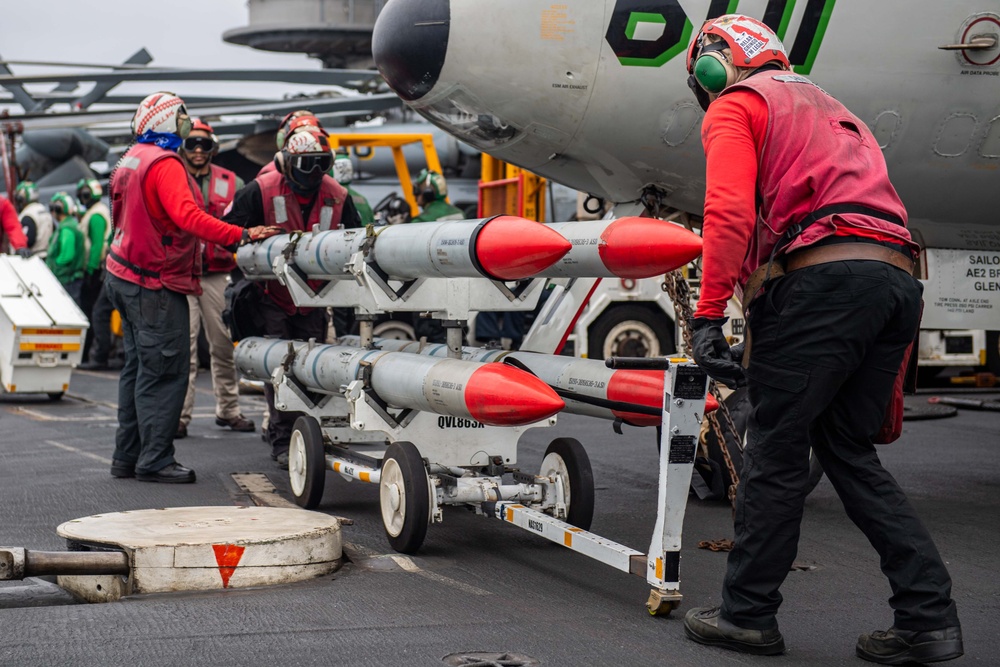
(677, 288)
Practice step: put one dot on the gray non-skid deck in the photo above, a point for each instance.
(477, 585)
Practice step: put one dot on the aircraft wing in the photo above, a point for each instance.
(319, 105)
(316, 77)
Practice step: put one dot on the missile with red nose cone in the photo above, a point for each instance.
(628, 247)
(501, 248)
(493, 394)
(586, 385)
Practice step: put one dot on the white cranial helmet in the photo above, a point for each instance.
(343, 170)
(161, 112)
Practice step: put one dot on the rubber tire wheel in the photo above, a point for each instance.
(314, 460)
(404, 459)
(56, 395)
(580, 512)
(394, 329)
(659, 324)
(738, 403)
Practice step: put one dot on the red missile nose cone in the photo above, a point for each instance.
(512, 248)
(645, 247)
(639, 388)
(500, 395)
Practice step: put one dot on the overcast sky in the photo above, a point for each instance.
(177, 33)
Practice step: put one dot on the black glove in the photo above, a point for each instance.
(24, 252)
(736, 351)
(712, 352)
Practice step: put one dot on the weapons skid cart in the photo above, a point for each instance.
(422, 460)
(41, 329)
(358, 435)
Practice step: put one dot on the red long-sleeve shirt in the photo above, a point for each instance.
(733, 133)
(11, 226)
(168, 196)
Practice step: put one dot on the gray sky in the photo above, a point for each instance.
(183, 33)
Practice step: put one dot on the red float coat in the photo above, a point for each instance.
(10, 227)
(221, 190)
(779, 148)
(158, 222)
(283, 208)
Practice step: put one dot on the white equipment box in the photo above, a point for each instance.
(41, 329)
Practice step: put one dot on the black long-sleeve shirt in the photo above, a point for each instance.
(248, 209)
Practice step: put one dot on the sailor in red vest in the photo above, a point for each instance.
(11, 234)
(296, 196)
(216, 189)
(799, 201)
(289, 124)
(152, 267)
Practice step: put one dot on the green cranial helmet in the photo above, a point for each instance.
(430, 184)
(63, 204)
(25, 193)
(89, 191)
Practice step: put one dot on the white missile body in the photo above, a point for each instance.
(499, 248)
(452, 387)
(502, 248)
(587, 386)
(627, 247)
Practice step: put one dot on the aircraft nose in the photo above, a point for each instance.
(409, 45)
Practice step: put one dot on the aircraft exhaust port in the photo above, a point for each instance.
(183, 549)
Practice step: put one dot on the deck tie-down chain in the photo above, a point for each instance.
(679, 291)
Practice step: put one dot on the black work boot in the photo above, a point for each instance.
(173, 473)
(122, 469)
(898, 647)
(705, 625)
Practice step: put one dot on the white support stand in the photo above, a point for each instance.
(372, 293)
(683, 411)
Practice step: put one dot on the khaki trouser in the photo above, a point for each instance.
(207, 309)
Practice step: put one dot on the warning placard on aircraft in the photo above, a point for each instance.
(962, 290)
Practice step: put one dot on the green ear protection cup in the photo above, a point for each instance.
(711, 73)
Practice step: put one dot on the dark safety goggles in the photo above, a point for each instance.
(192, 144)
(311, 162)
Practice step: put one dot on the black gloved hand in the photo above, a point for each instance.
(736, 351)
(712, 352)
(24, 252)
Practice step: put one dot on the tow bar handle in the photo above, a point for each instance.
(638, 363)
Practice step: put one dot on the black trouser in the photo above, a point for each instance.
(279, 324)
(154, 380)
(90, 291)
(826, 344)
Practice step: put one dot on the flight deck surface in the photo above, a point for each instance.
(477, 585)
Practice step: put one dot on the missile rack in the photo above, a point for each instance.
(422, 461)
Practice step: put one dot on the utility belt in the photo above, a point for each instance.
(823, 253)
(830, 249)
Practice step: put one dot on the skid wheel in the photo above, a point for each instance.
(566, 458)
(306, 462)
(404, 497)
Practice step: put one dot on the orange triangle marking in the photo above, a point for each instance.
(228, 557)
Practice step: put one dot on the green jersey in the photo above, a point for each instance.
(362, 205)
(439, 209)
(67, 256)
